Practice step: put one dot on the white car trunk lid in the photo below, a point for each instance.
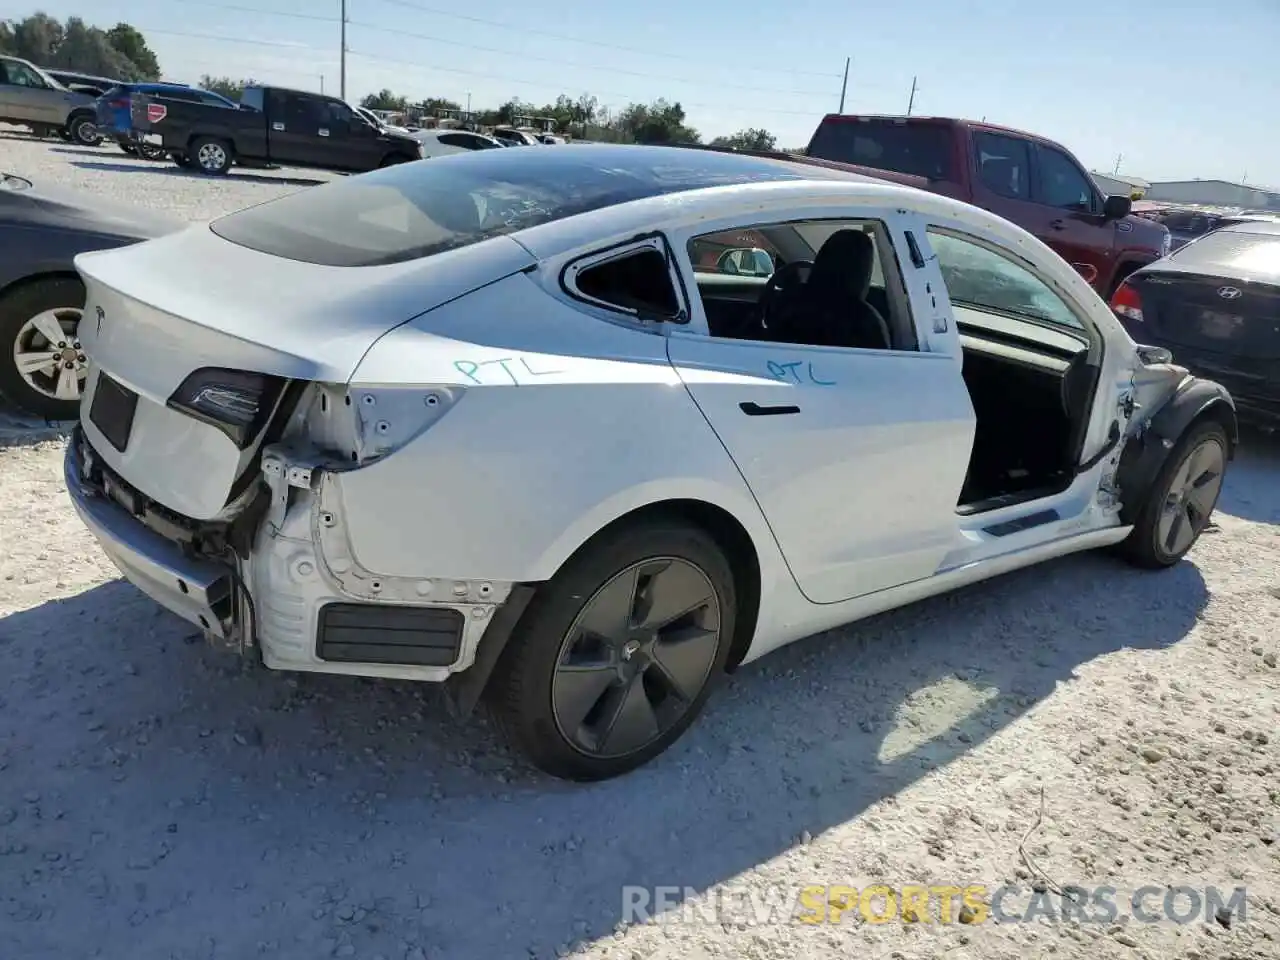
(159, 311)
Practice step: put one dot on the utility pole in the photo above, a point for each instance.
(1116, 171)
(342, 68)
(845, 85)
(912, 102)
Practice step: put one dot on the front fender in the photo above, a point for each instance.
(1145, 454)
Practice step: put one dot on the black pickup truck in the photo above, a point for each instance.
(294, 128)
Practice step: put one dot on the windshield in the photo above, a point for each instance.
(419, 209)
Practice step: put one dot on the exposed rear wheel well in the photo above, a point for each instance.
(40, 278)
(732, 538)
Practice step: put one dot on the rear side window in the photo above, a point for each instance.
(918, 149)
(252, 99)
(415, 210)
(1004, 165)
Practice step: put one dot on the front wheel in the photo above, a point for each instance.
(211, 155)
(42, 365)
(1181, 500)
(618, 652)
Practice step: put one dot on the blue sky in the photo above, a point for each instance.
(1178, 89)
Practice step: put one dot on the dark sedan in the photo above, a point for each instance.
(1215, 304)
(42, 369)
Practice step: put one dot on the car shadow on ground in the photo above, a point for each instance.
(169, 170)
(257, 808)
(1256, 474)
(85, 151)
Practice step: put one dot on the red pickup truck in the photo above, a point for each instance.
(1026, 179)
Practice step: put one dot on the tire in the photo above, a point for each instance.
(22, 312)
(211, 155)
(83, 129)
(529, 691)
(1183, 490)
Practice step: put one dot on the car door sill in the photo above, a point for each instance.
(1001, 501)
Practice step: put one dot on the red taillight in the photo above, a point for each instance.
(156, 112)
(1126, 303)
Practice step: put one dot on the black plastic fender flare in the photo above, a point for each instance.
(1144, 456)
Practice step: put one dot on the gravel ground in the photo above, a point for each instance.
(161, 800)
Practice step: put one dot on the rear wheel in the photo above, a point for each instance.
(211, 155)
(618, 652)
(84, 130)
(42, 366)
(1182, 498)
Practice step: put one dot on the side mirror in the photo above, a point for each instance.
(1154, 355)
(1117, 207)
(746, 262)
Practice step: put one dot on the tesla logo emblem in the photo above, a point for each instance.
(1229, 293)
(101, 316)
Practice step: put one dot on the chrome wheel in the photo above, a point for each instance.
(48, 356)
(1191, 497)
(636, 657)
(86, 132)
(212, 157)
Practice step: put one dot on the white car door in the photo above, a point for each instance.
(856, 457)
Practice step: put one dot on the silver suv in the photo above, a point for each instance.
(31, 98)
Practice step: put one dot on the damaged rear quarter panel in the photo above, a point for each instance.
(567, 420)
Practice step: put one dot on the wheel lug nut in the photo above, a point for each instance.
(62, 345)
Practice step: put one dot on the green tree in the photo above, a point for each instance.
(384, 99)
(752, 138)
(87, 49)
(432, 104)
(229, 87)
(657, 122)
(45, 41)
(130, 42)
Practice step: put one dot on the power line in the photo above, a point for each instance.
(285, 45)
(568, 39)
(561, 87)
(274, 13)
(278, 44)
(238, 8)
(580, 66)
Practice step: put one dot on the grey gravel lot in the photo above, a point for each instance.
(161, 800)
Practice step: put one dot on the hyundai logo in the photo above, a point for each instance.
(1229, 293)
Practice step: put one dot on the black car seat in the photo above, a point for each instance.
(831, 309)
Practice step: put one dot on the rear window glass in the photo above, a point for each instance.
(919, 149)
(415, 210)
(1234, 252)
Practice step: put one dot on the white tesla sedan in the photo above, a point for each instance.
(498, 419)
